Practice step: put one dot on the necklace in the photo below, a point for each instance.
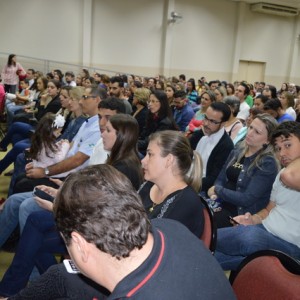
(152, 207)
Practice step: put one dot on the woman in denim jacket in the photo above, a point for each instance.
(245, 181)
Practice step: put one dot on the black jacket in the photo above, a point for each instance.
(216, 159)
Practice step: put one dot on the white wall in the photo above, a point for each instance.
(134, 36)
(42, 29)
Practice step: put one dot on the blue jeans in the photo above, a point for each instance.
(11, 108)
(19, 168)
(18, 131)
(38, 242)
(16, 207)
(11, 155)
(236, 243)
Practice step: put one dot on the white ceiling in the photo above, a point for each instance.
(291, 3)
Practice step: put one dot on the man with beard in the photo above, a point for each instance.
(212, 142)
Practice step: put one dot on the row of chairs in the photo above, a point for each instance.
(264, 275)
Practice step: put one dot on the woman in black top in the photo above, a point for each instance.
(159, 118)
(174, 173)
(120, 137)
(140, 101)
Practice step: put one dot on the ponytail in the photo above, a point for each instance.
(194, 175)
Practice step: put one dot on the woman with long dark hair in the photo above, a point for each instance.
(192, 93)
(120, 138)
(159, 118)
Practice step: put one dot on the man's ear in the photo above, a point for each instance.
(80, 245)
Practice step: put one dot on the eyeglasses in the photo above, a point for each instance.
(84, 97)
(211, 121)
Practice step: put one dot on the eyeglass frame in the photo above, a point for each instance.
(211, 121)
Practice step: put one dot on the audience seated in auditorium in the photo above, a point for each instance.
(140, 254)
(70, 98)
(169, 193)
(78, 156)
(277, 226)
(20, 130)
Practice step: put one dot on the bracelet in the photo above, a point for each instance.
(259, 217)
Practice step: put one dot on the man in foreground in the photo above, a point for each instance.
(112, 242)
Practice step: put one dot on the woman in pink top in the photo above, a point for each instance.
(10, 74)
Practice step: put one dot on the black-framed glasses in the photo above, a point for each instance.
(84, 97)
(212, 121)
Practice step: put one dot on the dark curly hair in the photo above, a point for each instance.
(100, 204)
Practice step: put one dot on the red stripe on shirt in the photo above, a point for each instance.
(154, 269)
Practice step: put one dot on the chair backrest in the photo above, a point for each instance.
(209, 235)
(267, 274)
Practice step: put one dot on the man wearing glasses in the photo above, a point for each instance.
(80, 152)
(212, 142)
(183, 113)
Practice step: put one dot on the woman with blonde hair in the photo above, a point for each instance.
(220, 93)
(140, 101)
(245, 181)
(173, 173)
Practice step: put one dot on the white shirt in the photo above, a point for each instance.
(85, 140)
(99, 155)
(206, 145)
(283, 220)
(291, 112)
(244, 111)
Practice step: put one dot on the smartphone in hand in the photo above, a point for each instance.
(27, 156)
(233, 221)
(43, 195)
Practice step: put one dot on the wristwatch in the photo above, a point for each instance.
(47, 172)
